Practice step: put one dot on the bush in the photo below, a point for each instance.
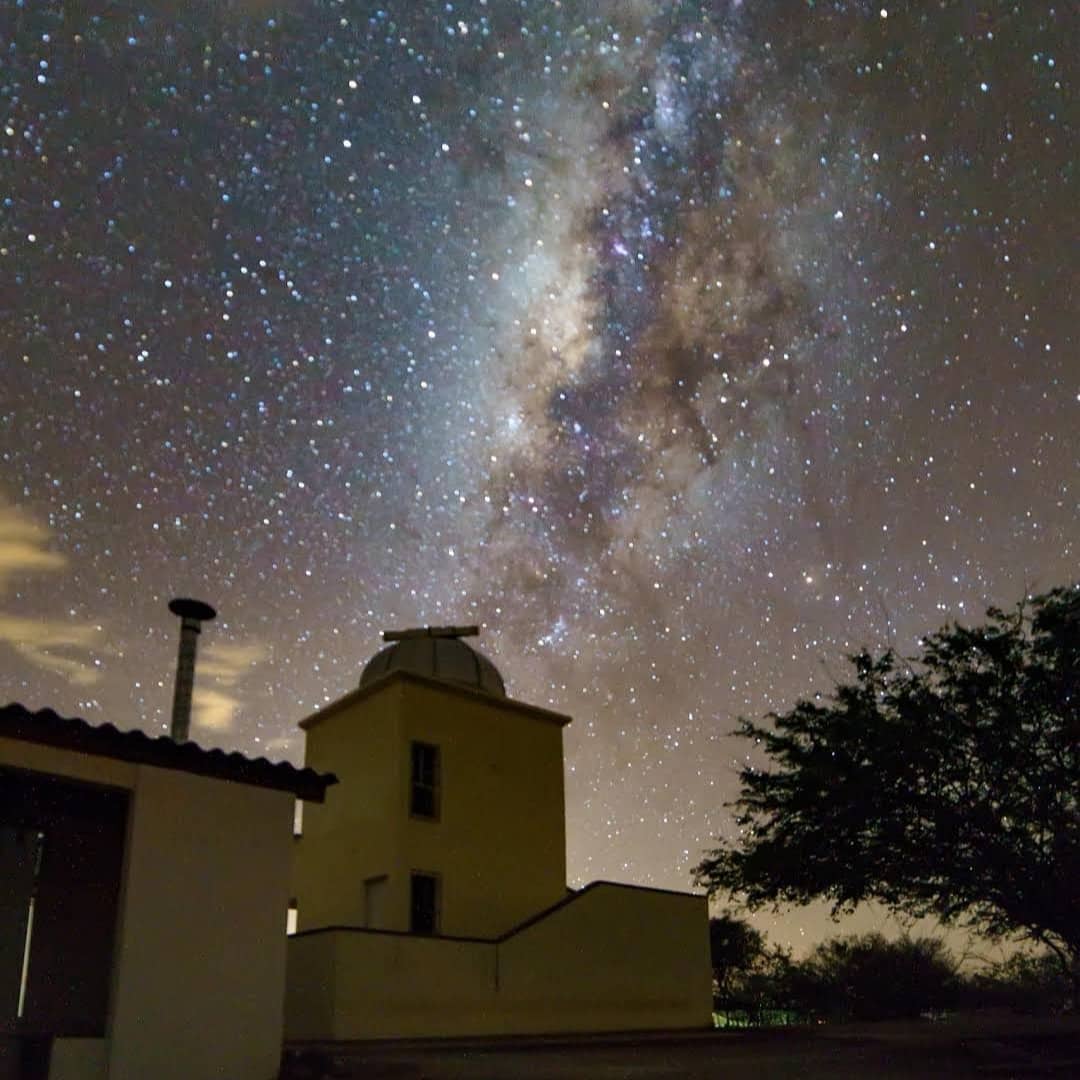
(867, 977)
(1034, 983)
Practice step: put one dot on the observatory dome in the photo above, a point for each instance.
(436, 655)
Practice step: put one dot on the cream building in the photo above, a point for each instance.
(430, 886)
(143, 891)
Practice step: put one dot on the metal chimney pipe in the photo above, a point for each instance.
(192, 614)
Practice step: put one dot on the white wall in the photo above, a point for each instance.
(198, 981)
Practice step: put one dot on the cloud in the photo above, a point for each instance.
(23, 546)
(46, 644)
(223, 663)
(214, 710)
(228, 662)
(53, 645)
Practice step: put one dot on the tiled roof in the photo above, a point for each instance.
(49, 729)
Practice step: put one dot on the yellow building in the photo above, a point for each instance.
(430, 886)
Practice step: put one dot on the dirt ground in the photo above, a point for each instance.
(957, 1051)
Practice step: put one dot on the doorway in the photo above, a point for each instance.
(61, 862)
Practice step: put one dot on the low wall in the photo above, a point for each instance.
(614, 959)
(610, 958)
(78, 1059)
(348, 984)
(309, 986)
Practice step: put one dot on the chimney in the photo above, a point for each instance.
(192, 614)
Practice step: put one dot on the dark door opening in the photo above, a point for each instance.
(61, 860)
(424, 904)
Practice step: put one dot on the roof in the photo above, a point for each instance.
(49, 729)
(436, 653)
(399, 677)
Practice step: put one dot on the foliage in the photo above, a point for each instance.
(750, 980)
(846, 978)
(736, 949)
(1026, 982)
(867, 977)
(946, 785)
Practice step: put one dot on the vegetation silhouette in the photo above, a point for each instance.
(753, 984)
(866, 977)
(946, 784)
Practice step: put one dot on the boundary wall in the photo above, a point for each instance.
(608, 958)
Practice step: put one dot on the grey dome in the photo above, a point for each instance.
(447, 659)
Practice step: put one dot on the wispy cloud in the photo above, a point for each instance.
(54, 645)
(58, 646)
(214, 710)
(223, 664)
(23, 547)
(228, 662)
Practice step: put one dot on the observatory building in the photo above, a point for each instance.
(430, 887)
(144, 884)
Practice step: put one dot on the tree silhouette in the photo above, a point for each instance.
(867, 977)
(735, 949)
(945, 785)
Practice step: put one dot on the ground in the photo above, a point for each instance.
(988, 1047)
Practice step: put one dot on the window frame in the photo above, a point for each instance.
(433, 790)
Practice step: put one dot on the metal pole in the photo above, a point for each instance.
(192, 614)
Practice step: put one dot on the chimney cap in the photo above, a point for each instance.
(186, 608)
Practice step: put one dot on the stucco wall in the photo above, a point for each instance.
(199, 971)
(353, 835)
(310, 979)
(615, 958)
(499, 845)
(75, 766)
(384, 985)
(79, 1059)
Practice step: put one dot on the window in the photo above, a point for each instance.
(424, 904)
(424, 785)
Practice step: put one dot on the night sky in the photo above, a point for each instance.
(685, 347)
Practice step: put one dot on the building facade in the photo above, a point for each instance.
(430, 886)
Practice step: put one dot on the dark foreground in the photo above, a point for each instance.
(985, 1048)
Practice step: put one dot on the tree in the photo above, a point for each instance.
(751, 981)
(948, 784)
(735, 949)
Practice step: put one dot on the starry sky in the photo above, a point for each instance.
(684, 346)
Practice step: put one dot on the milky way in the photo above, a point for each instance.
(684, 346)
